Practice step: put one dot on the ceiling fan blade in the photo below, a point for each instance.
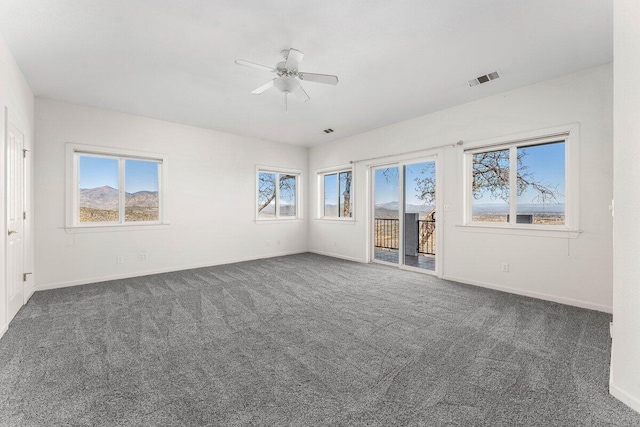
(267, 85)
(293, 59)
(319, 78)
(254, 65)
(302, 94)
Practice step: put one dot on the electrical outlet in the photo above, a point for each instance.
(447, 208)
(144, 256)
(505, 267)
(278, 242)
(335, 243)
(120, 260)
(267, 243)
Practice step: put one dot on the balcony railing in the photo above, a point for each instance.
(386, 234)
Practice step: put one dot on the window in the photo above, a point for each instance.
(278, 194)
(336, 188)
(522, 184)
(114, 187)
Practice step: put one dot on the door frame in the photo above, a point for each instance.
(400, 162)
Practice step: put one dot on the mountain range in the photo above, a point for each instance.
(106, 198)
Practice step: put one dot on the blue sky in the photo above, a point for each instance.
(100, 171)
(331, 189)
(387, 186)
(546, 164)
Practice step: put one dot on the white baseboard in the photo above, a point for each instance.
(532, 294)
(332, 255)
(57, 285)
(631, 401)
(3, 330)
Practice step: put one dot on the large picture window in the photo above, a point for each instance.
(336, 189)
(522, 183)
(277, 194)
(113, 188)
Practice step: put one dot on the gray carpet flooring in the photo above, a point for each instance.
(303, 340)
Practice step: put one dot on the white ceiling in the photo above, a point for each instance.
(174, 59)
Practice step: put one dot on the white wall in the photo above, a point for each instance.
(210, 200)
(625, 356)
(16, 96)
(573, 271)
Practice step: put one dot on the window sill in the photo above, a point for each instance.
(115, 228)
(337, 220)
(277, 220)
(540, 231)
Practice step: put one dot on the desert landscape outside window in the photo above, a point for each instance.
(116, 189)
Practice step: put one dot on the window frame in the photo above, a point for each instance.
(567, 133)
(321, 205)
(72, 217)
(278, 171)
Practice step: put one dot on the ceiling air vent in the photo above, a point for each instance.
(327, 130)
(484, 79)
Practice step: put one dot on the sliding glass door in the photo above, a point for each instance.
(386, 204)
(404, 214)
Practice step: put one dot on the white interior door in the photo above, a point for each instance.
(15, 221)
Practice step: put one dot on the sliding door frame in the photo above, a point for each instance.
(400, 164)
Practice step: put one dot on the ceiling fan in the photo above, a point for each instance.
(288, 80)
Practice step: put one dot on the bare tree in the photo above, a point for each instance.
(346, 206)
(490, 174)
(267, 188)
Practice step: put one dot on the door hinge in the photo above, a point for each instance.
(24, 153)
(24, 276)
(24, 214)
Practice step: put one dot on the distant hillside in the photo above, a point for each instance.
(106, 198)
(390, 210)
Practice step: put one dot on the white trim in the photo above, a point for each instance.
(160, 270)
(113, 227)
(332, 255)
(537, 295)
(624, 396)
(341, 220)
(519, 230)
(413, 269)
(285, 219)
(4, 329)
(72, 152)
(334, 169)
(320, 176)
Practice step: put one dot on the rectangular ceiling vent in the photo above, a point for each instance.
(484, 79)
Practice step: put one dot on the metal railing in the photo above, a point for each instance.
(386, 234)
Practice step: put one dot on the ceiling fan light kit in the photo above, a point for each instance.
(288, 80)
